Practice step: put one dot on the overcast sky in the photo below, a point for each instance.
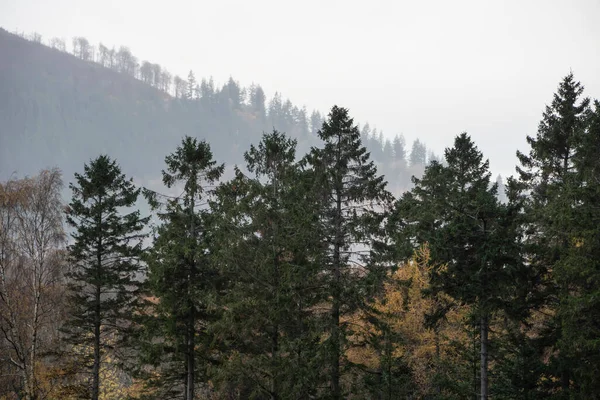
(428, 69)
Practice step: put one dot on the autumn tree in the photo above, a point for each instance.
(454, 208)
(31, 276)
(401, 349)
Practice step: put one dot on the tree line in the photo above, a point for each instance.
(303, 277)
(397, 159)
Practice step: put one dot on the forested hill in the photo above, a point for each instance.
(61, 108)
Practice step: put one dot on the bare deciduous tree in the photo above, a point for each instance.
(58, 44)
(31, 262)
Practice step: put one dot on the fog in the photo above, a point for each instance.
(424, 69)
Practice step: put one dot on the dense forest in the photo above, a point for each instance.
(60, 108)
(299, 275)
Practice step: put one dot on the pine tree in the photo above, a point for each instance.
(268, 254)
(418, 153)
(104, 281)
(553, 180)
(580, 271)
(399, 145)
(454, 209)
(191, 92)
(353, 207)
(182, 277)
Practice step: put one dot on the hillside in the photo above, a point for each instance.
(57, 109)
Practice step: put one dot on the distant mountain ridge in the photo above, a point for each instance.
(61, 109)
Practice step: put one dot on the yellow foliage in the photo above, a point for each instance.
(403, 308)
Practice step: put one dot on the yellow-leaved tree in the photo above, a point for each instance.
(412, 340)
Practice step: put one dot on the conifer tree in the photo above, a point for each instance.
(399, 145)
(181, 276)
(353, 206)
(455, 211)
(104, 281)
(268, 255)
(418, 153)
(557, 179)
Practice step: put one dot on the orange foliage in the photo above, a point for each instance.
(403, 308)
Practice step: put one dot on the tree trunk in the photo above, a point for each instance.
(34, 335)
(190, 346)
(96, 367)
(484, 357)
(189, 395)
(335, 308)
(97, 313)
(275, 335)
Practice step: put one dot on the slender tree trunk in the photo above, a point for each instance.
(34, 329)
(484, 357)
(436, 335)
(275, 351)
(190, 350)
(335, 308)
(97, 315)
(475, 366)
(190, 356)
(33, 349)
(96, 367)
(275, 335)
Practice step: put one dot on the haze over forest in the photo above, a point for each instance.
(418, 220)
(425, 70)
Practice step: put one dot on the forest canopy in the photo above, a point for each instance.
(301, 273)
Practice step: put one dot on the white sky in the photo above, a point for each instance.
(428, 69)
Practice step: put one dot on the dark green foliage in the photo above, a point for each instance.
(353, 205)
(560, 173)
(269, 255)
(182, 276)
(262, 287)
(104, 281)
(454, 209)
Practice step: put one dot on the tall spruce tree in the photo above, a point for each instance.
(558, 175)
(353, 206)
(104, 280)
(268, 254)
(472, 240)
(182, 277)
(580, 308)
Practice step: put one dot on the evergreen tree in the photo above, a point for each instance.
(555, 175)
(353, 207)
(191, 92)
(316, 121)
(257, 101)
(182, 277)
(388, 152)
(470, 234)
(580, 271)
(104, 280)
(418, 153)
(399, 146)
(268, 254)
